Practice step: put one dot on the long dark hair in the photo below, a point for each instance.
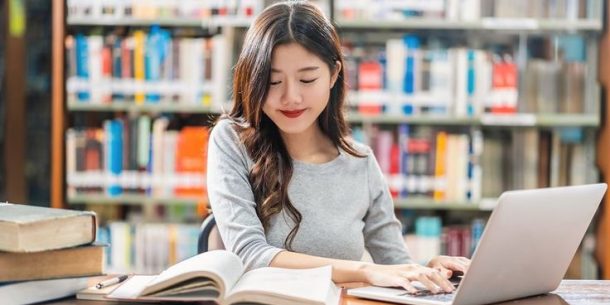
(282, 23)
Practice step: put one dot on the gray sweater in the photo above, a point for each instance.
(345, 204)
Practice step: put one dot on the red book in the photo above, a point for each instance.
(191, 161)
(370, 78)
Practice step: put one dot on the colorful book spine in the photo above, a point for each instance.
(114, 155)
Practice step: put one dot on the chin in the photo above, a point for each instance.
(293, 128)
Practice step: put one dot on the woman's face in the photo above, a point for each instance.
(299, 89)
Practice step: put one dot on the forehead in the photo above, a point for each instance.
(293, 56)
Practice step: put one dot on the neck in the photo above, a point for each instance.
(311, 146)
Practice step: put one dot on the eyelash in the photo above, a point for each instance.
(305, 81)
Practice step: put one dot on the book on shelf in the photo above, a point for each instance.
(462, 10)
(441, 78)
(430, 162)
(151, 10)
(26, 228)
(146, 67)
(137, 155)
(148, 248)
(30, 292)
(431, 238)
(219, 276)
(61, 263)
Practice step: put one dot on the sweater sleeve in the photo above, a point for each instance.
(232, 199)
(382, 231)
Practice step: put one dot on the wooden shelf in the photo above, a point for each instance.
(602, 251)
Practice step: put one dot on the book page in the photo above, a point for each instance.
(222, 267)
(286, 286)
(132, 289)
(206, 276)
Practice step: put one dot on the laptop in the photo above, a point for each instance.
(525, 250)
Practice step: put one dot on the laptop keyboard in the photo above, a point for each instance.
(441, 297)
(427, 295)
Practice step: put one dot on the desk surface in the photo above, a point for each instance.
(570, 292)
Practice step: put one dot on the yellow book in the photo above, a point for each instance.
(440, 167)
(138, 66)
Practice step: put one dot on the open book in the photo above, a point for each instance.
(219, 276)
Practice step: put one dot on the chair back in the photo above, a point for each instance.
(209, 237)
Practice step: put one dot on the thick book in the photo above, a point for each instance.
(219, 276)
(71, 262)
(40, 291)
(25, 228)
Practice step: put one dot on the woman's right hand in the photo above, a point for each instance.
(403, 275)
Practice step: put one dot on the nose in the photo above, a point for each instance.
(291, 94)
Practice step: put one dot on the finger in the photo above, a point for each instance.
(406, 284)
(441, 281)
(447, 273)
(456, 265)
(429, 283)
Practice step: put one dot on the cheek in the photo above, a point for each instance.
(267, 108)
(320, 93)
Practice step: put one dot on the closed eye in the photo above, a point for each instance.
(308, 81)
(275, 83)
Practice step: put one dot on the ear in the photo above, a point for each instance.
(335, 74)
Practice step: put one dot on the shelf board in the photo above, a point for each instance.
(568, 120)
(131, 107)
(131, 200)
(165, 22)
(173, 22)
(513, 24)
(414, 119)
(519, 120)
(414, 203)
(430, 204)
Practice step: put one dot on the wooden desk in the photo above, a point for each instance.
(570, 292)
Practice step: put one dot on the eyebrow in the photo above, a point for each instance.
(311, 68)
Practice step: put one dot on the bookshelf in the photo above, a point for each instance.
(518, 32)
(603, 151)
(419, 34)
(95, 107)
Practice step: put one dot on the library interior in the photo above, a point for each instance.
(107, 109)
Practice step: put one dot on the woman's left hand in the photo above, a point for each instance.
(448, 264)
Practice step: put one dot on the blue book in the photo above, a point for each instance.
(412, 45)
(152, 61)
(470, 82)
(114, 155)
(82, 65)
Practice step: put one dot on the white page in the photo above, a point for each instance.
(219, 265)
(222, 267)
(295, 284)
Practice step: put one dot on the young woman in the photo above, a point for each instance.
(287, 187)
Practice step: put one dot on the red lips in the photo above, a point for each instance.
(292, 113)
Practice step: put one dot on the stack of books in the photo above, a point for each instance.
(46, 253)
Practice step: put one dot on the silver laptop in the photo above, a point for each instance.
(525, 250)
